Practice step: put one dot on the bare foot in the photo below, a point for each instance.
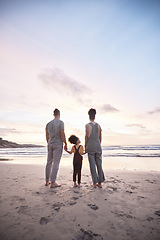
(47, 183)
(75, 184)
(99, 185)
(54, 185)
(79, 185)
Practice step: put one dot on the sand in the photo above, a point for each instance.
(127, 207)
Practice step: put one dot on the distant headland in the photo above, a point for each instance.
(8, 144)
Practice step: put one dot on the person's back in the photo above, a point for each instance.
(55, 138)
(54, 128)
(93, 137)
(77, 149)
(93, 144)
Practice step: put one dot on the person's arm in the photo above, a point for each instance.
(47, 135)
(72, 150)
(63, 137)
(100, 134)
(69, 152)
(86, 139)
(82, 150)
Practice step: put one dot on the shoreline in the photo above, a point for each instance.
(111, 164)
(126, 208)
(85, 168)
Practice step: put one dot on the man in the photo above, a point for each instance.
(55, 137)
(93, 137)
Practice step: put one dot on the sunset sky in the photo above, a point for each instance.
(78, 54)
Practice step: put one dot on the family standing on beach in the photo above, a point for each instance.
(55, 137)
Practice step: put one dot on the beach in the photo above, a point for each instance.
(127, 207)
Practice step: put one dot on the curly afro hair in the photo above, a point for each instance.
(73, 139)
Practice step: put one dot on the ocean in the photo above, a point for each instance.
(130, 157)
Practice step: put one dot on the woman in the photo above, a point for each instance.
(93, 137)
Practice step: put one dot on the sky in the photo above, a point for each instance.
(77, 54)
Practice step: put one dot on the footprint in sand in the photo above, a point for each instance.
(113, 188)
(75, 198)
(122, 214)
(87, 235)
(140, 197)
(151, 181)
(15, 179)
(22, 199)
(150, 219)
(93, 206)
(157, 213)
(113, 180)
(76, 191)
(130, 192)
(44, 220)
(57, 206)
(23, 209)
(134, 187)
(72, 203)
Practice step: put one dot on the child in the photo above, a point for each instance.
(77, 149)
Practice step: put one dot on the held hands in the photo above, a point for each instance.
(65, 147)
(70, 152)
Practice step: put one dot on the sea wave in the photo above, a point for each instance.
(133, 148)
(107, 151)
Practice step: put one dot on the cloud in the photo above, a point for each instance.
(5, 131)
(136, 125)
(108, 108)
(157, 110)
(140, 128)
(58, 80)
